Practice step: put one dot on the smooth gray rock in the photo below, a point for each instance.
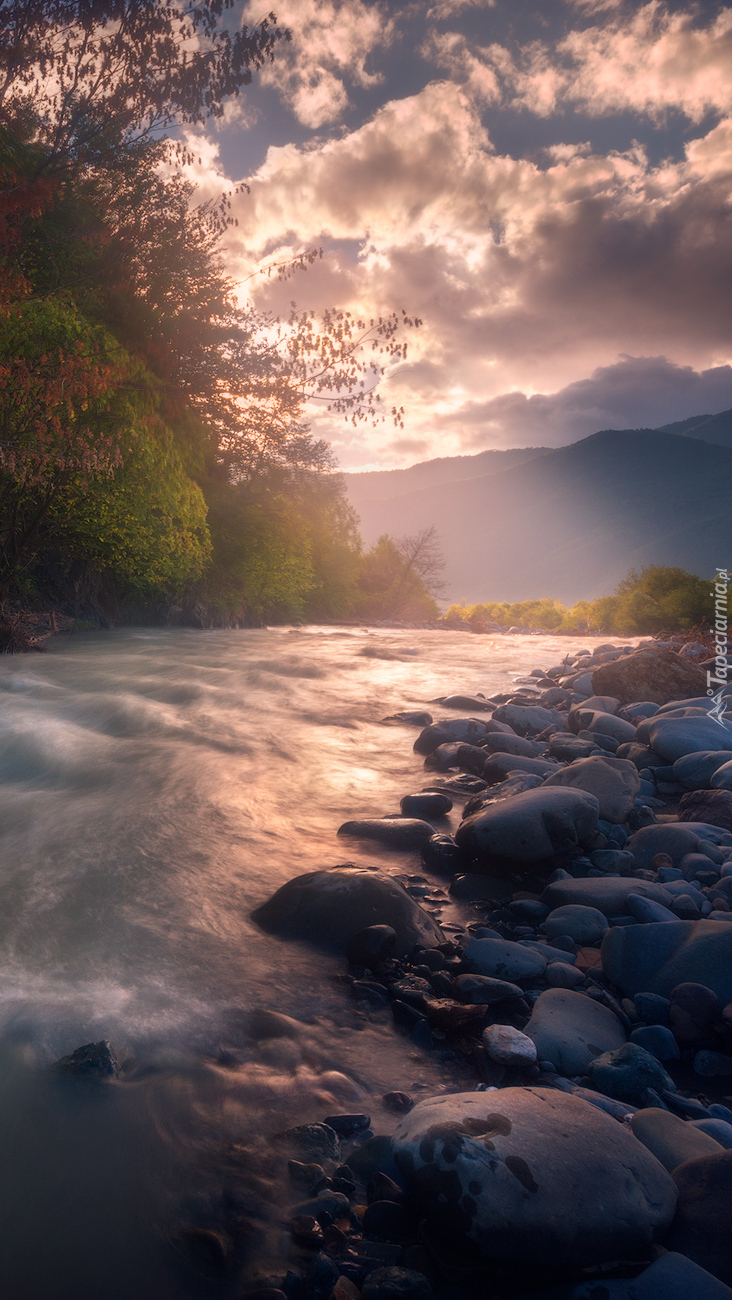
(396, 832)
(498, 743)
(604, 724)
(646, 911)
(497, 767)
(658, 1040)
(627, 1073)
(675, 1277)
(483, 1169)
(570, 1030)
(695, 771)
(528, 720)
(531, 827)
(670, 1139)
(482, 990)
(329, 907)
(503, 959)
(719, 1129)
(608, 894)
(722, 779)
(586, 925)
(508, 1046)
(673, 737)
(675, 838)
(614, 782)
(656, 958)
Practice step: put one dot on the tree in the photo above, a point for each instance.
(400, 578)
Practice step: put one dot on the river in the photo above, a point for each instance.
(155, 786)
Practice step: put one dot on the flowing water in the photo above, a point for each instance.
(155, 786)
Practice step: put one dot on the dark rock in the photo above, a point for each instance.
(395, 832)
(387, 1220)
(570, 1030)
(627, 1073)
(695, 771)
(528, 720)
(701, 1227)
(531, 827)
(347, 1126)
(496, 767)
(673, 737)
(321, 1277)
(426, 804)
(371, 945)
(306, 1231)
(442, 855)
(655, 958)
(672, 838)
(614, 781)
(313, 1142)
(694, 1014)
(484, 1170)
(329, 907)
(657, 675)
(463, 730)
(410, 718)
(93, 1061)
(311, 1176)
(609, 895)
(672, 1277)
(483, 991)
(670, 1139)
(398, 1102)
(396, 1284)
(658, 1040)
(652, 1008)
(566, 747)
(712, 806)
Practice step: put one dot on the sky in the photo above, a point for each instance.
(545, 185)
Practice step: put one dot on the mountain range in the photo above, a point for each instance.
(567, 522)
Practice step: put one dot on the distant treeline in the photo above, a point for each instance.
(656, 600)
(154, 457)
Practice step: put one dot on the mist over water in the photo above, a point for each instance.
(155, 786)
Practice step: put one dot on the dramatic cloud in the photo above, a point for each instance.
(331, 42)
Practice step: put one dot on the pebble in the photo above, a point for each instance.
(508, 1046)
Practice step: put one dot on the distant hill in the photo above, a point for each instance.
(710, 428)
(571, 522)
(383, 483)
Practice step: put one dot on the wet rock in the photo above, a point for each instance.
(483, 991)
(398, 1102)
(396, 832)
(670, 1139)
(386, 1220)
(396, 1284)
(410, 718)
(347, 1126)
(701, 1227)
(498, 743)
(673, 737)
(306, 1231)
(92, 1061)
(426, 804)
(313, 1143)
(694, 1013)
(614, 782)
(502, 959)
(330, 907)
(658, 1040)
(496, 767)
(531, 827)
(371, 945)
(655, 958)
(657, 675)
(484, 1170)
(591, 723)
(528, 720)
(570, 1030)
(442, 855)
(311, 1176)
(609, 895)
(568, 748)
(627, 1073)
(453, 1017)
(508, 1046)
(586, 925)
(462, 730)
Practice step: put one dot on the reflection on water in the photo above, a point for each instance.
(155, 786)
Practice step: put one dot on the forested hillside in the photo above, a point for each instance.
(154, 457)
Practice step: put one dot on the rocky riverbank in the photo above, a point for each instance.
(591, 1000)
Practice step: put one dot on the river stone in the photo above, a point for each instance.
(672, 738)
(483, 1168)
(658, 1040)
(396, 1284)
(329, 907)
(470, 730)
(711, 806)
(508, 1046)
(695, 771)
(722, 779)
(395, 832)
(719, 1129)
(586, 925)
(656, 958)
(609, 894)
(674, 1277)
(673, 838)
(496, 767)
(482, 990)
(614, 782)
(570, 1030)
(568, 748)
(701, 1226)
(627, 1072)
(503, 959)
(528, 720)
(670, 1139)
(649, 673)
(500, 744)
(531, 827)
(595, 723)
(646, 911)
(428, 803)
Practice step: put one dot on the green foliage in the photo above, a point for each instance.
(659, 599)
(390, 584)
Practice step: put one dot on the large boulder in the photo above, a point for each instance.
(502, 959)
(673, 838)
(528, 719)
(672, 1140)
(604, 724)
(531, 827)
(701, 1226)
(695, 771)
(329, 907)
(517, 1173)
(649, 673)
(608, 894)
(613, 781)
(655, 958)
(711, 806)
(673, 737)
(570, 1030)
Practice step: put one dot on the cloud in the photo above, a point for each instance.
(634, 392)
(331, 43)
(645, 60)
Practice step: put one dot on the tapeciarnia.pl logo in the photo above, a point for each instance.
(720, 632)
